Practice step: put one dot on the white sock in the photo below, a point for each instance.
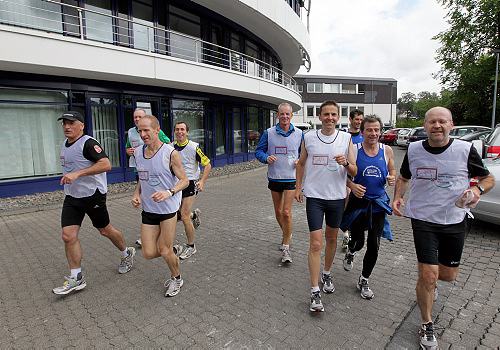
(75, 272)
(314, 289)
(346, 234)
(363, 278)
(124, 253)
(326, 272)
(285, 246)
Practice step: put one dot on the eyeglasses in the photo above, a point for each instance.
(69, 122)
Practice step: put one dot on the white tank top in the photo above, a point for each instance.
(134, 138)
(72, 159)
(189, 162)
(438, 180)
(155, 175)
(325, 178)
(286, 151)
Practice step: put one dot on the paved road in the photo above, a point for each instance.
(236, 291)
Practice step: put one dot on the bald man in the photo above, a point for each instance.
(440, 169)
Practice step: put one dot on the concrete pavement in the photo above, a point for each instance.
(236, 292)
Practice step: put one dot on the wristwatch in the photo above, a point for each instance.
(172, 192)
(347, 163)
(481, 188)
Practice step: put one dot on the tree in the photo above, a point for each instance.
(426, 101)
(406, 104)
(467, 64)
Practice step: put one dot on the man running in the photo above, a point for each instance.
(84, 165)
(327, 157)
(355, 119)
(191, 157)
(440, 169)
(161, 178)
(134, 140)
(279, 147)
(369, 203)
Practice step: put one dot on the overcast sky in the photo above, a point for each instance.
(377, 38)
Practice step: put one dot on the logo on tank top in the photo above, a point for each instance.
(443, 180)
(151, 179)
(373, 171)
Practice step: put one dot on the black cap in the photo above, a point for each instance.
(72, 115)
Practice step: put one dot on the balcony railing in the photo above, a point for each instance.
(96, 25)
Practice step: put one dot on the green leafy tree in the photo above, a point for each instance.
(467, 63)
(425, 101)
(406, 104)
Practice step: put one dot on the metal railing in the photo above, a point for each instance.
(88, 24)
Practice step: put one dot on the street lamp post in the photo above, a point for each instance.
(390, 118)
(495, 91)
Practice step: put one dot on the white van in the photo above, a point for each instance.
(305, 127)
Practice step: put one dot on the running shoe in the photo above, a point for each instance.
(187, 251)
(345, 241)
(139, 242)
(428, 339)
(173, 286)
(286, 257)
(316, 304)
(327, 283)
(127, 262)
(366, 292)
(436, 292)
(348, 260)
(178, 249)
(196, 219)
(71, 284)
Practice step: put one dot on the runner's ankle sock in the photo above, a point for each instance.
(190, 245)
(75, 272)
(314, 289)
(285, 246)
(326, 272)
(124, 253)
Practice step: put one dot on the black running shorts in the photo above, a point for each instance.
(278, 186)
(74, 210)
(155, 219)
(331, 210)
(438, 244)
(190, 190)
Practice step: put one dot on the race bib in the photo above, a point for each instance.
(427, 173)
(320, 159)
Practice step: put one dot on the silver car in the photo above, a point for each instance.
(488, 208)
(402, 137)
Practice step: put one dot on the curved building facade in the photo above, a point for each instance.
(222, 66)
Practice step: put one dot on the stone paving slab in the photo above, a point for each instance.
(236, 291)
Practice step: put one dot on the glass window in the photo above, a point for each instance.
(184, 22)
(361, 88)
(191, 112)
(331, 88)
(344, 112)
(253, 129)
(105, 127)
(143, 21)
(31, 136)
(122, 27)
(348, 88)
(310, 111)
(237, 131)
(99, 27)
(220, 131)
(33, 14)
(300, 88)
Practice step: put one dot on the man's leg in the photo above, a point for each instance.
(185, 209)
(115, 236)
(427, 277)
(72, 246)
(283, 202)
(149, 237)
(166, 241)
(331, 246)
(314, 256)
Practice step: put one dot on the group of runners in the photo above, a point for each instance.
(167, 183)
(342, 175)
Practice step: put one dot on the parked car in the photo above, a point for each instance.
(491, 147)
(402, 137)
(461, 130)
(416, 134)
(488, 207)
(390, 136)
(478, 135)
(305, 127)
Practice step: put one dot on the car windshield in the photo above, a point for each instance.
(493, 136)
(404, 132)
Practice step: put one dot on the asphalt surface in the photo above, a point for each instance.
(236, 293)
